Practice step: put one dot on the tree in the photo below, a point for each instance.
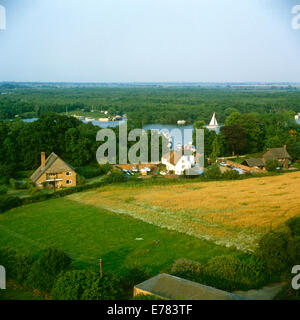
(272, 165)
(85, 285)
(235, 139)
(216, 150)
(47, 268)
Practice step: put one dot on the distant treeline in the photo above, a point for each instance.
(145, 105)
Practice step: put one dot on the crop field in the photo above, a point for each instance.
(87, 234)
(226, 212)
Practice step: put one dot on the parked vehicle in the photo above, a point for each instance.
(240, 171)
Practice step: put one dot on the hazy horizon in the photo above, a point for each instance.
(143, 41)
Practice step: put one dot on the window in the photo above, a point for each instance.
(69, 173)
(69, 181)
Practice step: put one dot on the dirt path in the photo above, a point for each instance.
(266, 293)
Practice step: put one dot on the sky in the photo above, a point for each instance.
(149, 41)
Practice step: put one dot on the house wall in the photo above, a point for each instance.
(63, 176)
(183, 164)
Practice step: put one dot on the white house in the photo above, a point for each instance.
(178, 162)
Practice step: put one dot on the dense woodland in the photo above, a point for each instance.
(253, 119)
(145, 105)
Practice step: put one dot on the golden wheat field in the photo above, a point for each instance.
(226, 212)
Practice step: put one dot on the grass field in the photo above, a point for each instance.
(226, 212)
(88, 234)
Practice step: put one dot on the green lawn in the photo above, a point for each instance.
(88, 233)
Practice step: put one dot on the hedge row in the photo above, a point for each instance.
(52, 274)
(229, 273)
(10, 202)
(278, 251)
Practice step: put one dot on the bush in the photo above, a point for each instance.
(9, 202)
(213, 172)
(83, 285)
(17, 265)
(13, 183)
(276, 250)
(70, 285)
(105, 288)
(231, 175)
(33, 191)
(187, 269)
(4, 179)
(232, 272)
(294, 226)
(3, 190)
(81, 180)
(133, 276)
(115, 176)
(235, 272)
(47, 268)
(272, 165)
(94, 170)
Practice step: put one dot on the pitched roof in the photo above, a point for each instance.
(174, 156)
(171, 287)
(254, 162)
(276, 153)
(53, 164)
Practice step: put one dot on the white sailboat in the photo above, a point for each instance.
(213, 125)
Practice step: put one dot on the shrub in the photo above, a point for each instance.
(272, 165)
(3, 190)
(294, 226)
(70, 285)
(133, 276)
(275, 249)
(47, 268)
(105, 288)
(94, 170)
(33, 191)
(9, 202)
(232, 272)
(115, 176)
(213, 172)
(4, 179)
(187, 269)
(13, 183)
(235, 272)
(231, 175)
(17, 265)
(81, 180)
(85, 285)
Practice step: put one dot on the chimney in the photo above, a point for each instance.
(43, 159)
(284, 147)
